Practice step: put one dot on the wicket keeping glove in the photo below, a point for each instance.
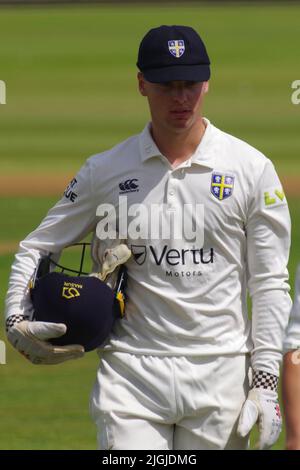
(30, 339)
(111, 259)
(262, 407)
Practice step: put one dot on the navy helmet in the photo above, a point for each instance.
(85, 304)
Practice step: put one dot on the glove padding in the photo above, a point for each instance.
(261, 406)
(30, 339)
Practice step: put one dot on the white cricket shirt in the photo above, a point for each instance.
(184, 299)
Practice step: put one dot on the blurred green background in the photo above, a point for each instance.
(71, 92)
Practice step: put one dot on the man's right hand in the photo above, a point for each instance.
(30, 339)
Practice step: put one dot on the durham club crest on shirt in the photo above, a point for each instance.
(176, 47)
(221, 185)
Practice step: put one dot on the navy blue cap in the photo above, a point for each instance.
(170, 53)
(86, 305)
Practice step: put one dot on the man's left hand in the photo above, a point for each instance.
(262, 407)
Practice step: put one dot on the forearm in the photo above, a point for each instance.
(17, 299)
(270, 312)
(66, 223)
(291, 398)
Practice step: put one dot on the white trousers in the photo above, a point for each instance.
(154, 402)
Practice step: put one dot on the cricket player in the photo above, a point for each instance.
(291, 373)
(174, 373)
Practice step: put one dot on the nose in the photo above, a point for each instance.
(179, 94)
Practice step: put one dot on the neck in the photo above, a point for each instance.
(178, 146)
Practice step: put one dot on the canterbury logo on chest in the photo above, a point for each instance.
(129, 186)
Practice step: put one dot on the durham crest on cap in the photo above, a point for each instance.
(176, 47)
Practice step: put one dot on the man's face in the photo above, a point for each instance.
(174, 105)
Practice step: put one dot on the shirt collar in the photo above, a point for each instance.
(148, 147)
(204, 154)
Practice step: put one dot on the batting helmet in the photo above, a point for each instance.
(85, 304)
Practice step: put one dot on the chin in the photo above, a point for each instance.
(182, 124)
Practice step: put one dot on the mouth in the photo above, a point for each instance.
(181, 113)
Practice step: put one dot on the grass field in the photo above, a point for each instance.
(71, 92)
(70, 75)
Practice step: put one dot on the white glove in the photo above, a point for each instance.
(30, 339)
(261, 406)
(110, 260)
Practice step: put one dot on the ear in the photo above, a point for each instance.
(205, 87)
(141, 81)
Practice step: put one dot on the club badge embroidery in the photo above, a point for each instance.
(176, 47)
(221, 185)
